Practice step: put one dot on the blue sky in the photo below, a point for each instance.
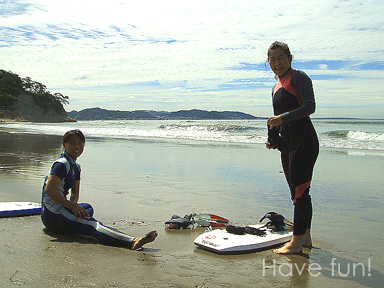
(172, 55)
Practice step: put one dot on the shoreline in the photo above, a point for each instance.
(9, 120)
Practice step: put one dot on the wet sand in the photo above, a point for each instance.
(136, 185)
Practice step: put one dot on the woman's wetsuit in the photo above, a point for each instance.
(293, 99)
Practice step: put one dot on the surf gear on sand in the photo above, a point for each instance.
(202, 219)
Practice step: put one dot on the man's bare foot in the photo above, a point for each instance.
(289, 248)
(142, 240)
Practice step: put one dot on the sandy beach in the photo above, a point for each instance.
(136, 185)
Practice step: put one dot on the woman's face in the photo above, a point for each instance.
(279, 61)
(74, 147)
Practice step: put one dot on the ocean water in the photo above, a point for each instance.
(353, 135)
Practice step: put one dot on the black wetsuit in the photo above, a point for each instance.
(296, 138)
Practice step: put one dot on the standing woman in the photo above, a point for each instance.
(68, 216)
(290, 130)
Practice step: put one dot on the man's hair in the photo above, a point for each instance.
(68, 135)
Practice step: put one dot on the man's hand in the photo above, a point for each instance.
(79, 211)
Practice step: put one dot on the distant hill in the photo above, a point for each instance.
(22, 99)
(103, 114)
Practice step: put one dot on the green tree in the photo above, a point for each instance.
(61, 98)
(7, 102)
(34, 87)
(10, 83)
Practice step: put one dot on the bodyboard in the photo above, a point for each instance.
(221, 241)
(14, 209)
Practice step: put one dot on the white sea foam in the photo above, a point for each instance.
(362, 135)
(366, 136)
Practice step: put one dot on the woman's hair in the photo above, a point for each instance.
(276, 45)
(68, 135)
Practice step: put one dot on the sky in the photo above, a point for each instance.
(179, 55)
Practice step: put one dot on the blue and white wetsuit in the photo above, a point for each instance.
(59, 219)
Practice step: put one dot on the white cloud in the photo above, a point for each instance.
(89, 50)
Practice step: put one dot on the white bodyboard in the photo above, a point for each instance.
(221, 241)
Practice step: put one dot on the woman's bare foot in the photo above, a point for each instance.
(142, 240)
(289, 248)
(308, 245)
(296, 245)
(307, 240)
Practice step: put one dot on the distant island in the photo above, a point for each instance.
(194, 114)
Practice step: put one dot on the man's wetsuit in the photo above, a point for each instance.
(296, 138)
(59, 219)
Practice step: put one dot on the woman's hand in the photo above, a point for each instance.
(275, 121)
(269, 146)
